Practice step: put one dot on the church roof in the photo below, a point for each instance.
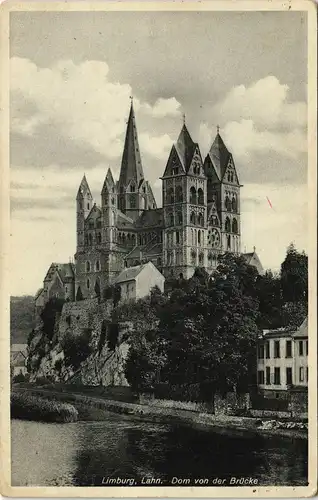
(131, 167)
(38, 293)
(185, 147)
(84, 189)
(219, 155)
(108, 182)
(65, 271)
(253, 259)
(150, 218)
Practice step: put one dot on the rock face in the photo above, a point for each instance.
(107, 344)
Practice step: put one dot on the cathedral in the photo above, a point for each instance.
(199, 219)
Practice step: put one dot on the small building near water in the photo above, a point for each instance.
(18, 357)
(282, 365)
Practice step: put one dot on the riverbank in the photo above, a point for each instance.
(26, 406)
(90, 407)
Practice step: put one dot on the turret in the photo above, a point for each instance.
(84, 203)
(109, 210)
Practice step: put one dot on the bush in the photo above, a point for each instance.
(43, 380)
(27, 407)
(48, 315)
(20, 378)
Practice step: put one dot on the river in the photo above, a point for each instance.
(89, 453)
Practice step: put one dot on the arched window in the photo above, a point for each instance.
(227, 225)
(179, 217)
(159, 261)
(177, 237)
(193, 196)
(200, 220)
(234, 226)
(99, 238)
(88, 284)
(227, 203)
(132, 188)
(214, 220)
(86, 239)
(179, 194)
(171, 219)
(91, 224)
(169, 258)
(200, 197)
(170, 196)
(88, 266)
(199, 237)
(97, 265)
(87, 206)
(201, 259)
(234, 204)
(229, 176)
(232, 177)
(132, 201)
(192, 218)
(193, 257)
(229, 242)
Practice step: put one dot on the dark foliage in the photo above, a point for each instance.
(48, 315)
(76, 348)
(294, 276)
(22, 318)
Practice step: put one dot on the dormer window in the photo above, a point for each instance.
(132, 188)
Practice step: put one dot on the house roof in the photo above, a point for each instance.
(253, 259)
(150, 218)
(130, 273)
(65, 271)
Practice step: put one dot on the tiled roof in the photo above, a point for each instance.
(150, 218)
(129, 274)
(131, 167)
(66, 271)
(185, 147)
(124, 220)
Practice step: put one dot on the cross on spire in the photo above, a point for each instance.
(184, 118)
(218, 129)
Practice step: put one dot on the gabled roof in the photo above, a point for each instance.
(185, 147)
(38, 293)
(253, 259)
(131, 167)
(129, 274)
(150, 218)
(219, 156)
(84, 189)
(124, 220)
(65, 271)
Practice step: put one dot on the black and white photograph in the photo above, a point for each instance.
(161, 249)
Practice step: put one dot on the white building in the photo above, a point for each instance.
(136, 282)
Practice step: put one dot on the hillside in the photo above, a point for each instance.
(21, 318)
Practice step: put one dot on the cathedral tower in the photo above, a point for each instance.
(223, 193)
(84, 203)
(134, 193)
(184, 208)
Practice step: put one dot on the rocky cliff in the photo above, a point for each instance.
(86, 347)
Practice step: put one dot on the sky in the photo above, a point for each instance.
(71, 76)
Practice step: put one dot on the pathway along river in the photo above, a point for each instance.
(83, 453)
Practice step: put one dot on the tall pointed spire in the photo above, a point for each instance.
(108, 182)
(131, 167)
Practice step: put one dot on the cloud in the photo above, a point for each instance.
(265, 102)
(78, 100)
(158, 147)
(163, 108)
(245, 138)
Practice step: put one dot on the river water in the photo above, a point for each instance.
(90, 453)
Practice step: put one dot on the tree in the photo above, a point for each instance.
(294, 276)
(208, 334)
(268, 288)
(76, 348)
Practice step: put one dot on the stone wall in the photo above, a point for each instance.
(104, 366)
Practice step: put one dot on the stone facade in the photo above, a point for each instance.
(136, 282)
(199, 220)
